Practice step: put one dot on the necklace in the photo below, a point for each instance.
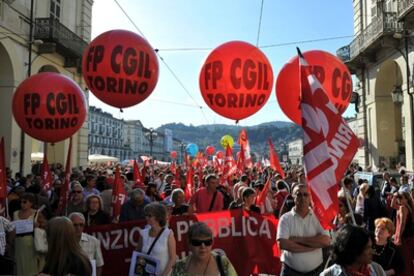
(375, 252)
(206, 267)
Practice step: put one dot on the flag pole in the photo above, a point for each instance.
(351, 211)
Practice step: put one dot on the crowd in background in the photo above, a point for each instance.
(381, 217)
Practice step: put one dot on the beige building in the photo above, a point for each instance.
(295, 152)
(381, 57)
(61, 30)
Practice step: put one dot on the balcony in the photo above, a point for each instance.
(374, 37)
(404, 8)
(58, 38)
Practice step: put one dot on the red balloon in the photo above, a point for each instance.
(236, 80)
(173, 154)
(328, 69)
(219, 154)
(120, 68)
(210, 150)
(50, 107)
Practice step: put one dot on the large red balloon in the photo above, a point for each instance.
(173, 154)
(210, 150)
(236, 80)
(328, 69)
(49, 107)
(120, 68)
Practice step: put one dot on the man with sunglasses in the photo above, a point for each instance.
(301, 237)
(76, 201)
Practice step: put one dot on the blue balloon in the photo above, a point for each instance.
(191, 149)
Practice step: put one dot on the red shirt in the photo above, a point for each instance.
(202, 200)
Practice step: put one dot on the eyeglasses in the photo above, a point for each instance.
(78, 224)
(200, 242)
(77, 192)
(148, 215)
(24, 201)
(302, 194)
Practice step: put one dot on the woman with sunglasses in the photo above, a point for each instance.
(202, 260)
(76, 202)
(28, 261)
(157, 240)
(404, 236)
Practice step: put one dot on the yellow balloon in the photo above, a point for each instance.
(227, 140)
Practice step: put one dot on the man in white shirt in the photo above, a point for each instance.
(301, 237)
(89, 244)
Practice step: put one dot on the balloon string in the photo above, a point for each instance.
(237, 122)
(121, 110)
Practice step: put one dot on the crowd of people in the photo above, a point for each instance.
(372, 234)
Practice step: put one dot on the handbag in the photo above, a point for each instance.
(144, 267)
(39, 237)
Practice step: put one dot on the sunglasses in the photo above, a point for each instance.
(148, 215)
(77, 192)
(24, 201)
(302, 194)
(200, 242)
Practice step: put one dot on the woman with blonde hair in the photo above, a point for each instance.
(359, 206)
(65, 255)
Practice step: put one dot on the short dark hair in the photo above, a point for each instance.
(244, 178)
(29, 197)
(198, 230)
(349, 244)
(210, 177)
(347, 180)
(158, 211)
(247, 192)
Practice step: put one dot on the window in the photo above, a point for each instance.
(55, 9)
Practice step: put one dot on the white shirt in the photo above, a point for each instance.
(293, 225)
(92, 247)
(160, 249)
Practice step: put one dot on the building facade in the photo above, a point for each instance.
(107, 135)
(381, 58)
(60, 32)
(295, 149)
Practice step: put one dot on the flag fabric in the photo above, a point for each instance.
(189, 183)
(230, 166)
(118, 195)
(241, 161)
(259, 166)
(244, 143)
(274, 160)
(261, 197)
(46, 174)
(138, 179)
(64, 191)
(329, 145)
(3, 176)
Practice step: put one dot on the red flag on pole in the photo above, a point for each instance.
(138, 179)
(262, 196)
(3, 176)
(46, 174)
(244, 143)
(274, 160)
(64, 191)
(230, 166)
(241, 161)
(118, 195)
(329, 145)
(189, 183)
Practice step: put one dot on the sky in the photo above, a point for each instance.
(180, 28)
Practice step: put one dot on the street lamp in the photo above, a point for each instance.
(151, 135)
(397, 95)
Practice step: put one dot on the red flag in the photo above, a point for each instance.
(173, 167)
(138, 179)
(64, 191)
(262, 196)
(259, 166)
(329, 145)
(241, 161)
(230, 166)
(3, 176)
(189, 183)
(46, 174)
(244, 143)
(118, 195)
(274, 160)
